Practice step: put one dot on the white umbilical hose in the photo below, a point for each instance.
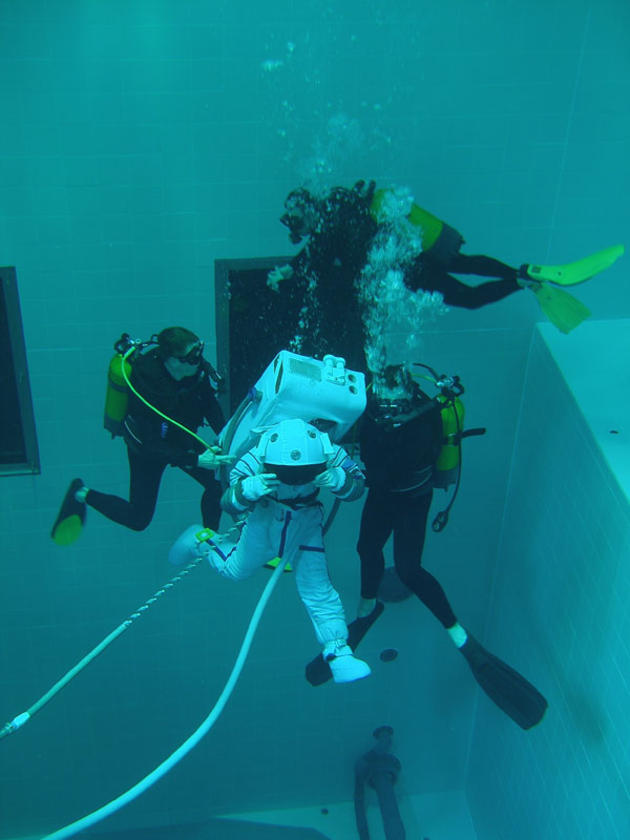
(193, 740)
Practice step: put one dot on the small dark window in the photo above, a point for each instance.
(18, 441)
(253, 322)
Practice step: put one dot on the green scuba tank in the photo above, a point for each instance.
(430, 226)
(116, 395)
(117, 391)
(447, 463)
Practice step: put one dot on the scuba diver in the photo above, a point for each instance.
(343, 227)
(171, 393)
(402, 439)
(274, 489)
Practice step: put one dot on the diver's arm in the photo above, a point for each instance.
(277, 274)
(212, 411)
(297, 267)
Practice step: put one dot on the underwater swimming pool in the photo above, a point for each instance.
(145, 143)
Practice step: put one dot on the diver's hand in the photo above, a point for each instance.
(254, 487)
(333, 479)
(277, 274)
(212, 458)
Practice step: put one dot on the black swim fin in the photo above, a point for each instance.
(511, 692)
(71, 517)
(318, 670)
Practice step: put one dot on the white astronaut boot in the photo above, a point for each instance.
(345, 667)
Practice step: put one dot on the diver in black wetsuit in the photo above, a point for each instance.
(340, 230)
(401, 432)
(175, 379)
(400, 440)
(398, 455)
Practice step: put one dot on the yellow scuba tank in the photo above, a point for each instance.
(116, 394)
(447, 464)
(430, 226)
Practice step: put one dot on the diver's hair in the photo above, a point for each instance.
(393, 381)
(398, 375)
(173, 341)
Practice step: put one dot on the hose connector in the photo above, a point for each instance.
(13, 725)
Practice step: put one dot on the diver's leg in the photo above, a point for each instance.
(375, 530)
(482, 266)
(409, 535)
(305, 548)
(242, 550)
(517, 697)
(145, 475)
(304, 545)
(423, 274)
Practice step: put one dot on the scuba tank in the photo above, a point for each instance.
(116, 395)
(438, 238)
(385, 201)
(448, 465)
(448, 460)
(117, 391)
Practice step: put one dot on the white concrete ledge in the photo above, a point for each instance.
(595, 362)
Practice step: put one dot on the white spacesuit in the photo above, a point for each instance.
(275, 486)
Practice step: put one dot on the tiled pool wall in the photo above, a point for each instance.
(560, 607)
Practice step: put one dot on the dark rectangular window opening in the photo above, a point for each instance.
(19, 454)
(253, 323)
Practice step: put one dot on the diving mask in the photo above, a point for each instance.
(194, 355)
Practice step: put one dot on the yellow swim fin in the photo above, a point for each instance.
(563, 310)
(578, 271)
(71, 517)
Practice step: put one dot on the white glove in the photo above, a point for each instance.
(211, 458)
(277, 274)
(333, 479)
(254, 487)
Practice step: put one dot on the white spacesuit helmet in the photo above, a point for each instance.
(295, 451)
